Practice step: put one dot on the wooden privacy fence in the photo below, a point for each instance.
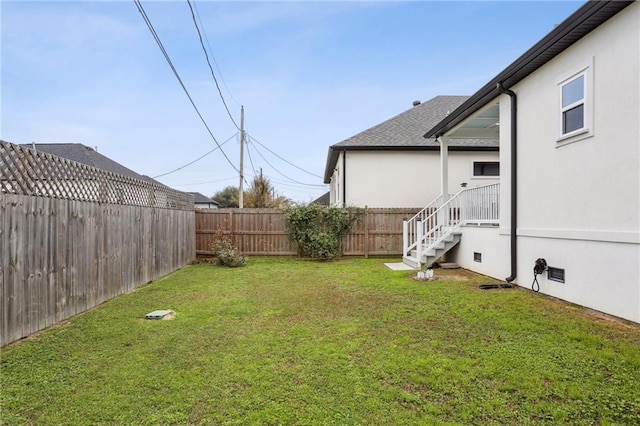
(60, 257)
(262, 232)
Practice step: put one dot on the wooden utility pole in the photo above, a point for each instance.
(240, 189)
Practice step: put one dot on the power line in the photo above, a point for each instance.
(204, 49)
(197, 159)
(303, 186)
(288, 162)
(278, 171)
(251, 160)
(195, 5)
(175, 72)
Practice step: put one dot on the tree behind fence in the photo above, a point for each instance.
(72, 237)
(262, 232)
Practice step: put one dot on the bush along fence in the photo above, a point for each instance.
(72, 237)
(263, 232)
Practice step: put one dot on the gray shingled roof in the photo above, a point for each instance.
(407, 128)
(405, 132)
(201, 198)
(87, 155)
(323, 200)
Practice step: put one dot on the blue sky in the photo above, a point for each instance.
(309, 74)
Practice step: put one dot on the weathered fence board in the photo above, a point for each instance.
(262, 232)
(73, 236)
(62, 257)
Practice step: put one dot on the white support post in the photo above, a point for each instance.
(444, 178)
(444, 168)
(405, 237)
(419, 236)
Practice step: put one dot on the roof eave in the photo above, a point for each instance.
(332, 160)
(588, 17)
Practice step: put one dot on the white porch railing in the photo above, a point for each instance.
(480, 205)
(435, 222)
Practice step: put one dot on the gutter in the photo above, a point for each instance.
(514, 180)
(588, 17)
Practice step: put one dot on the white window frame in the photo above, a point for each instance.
(586, 130)
(581, 102)
(473, 169)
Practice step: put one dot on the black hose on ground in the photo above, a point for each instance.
(494, 286)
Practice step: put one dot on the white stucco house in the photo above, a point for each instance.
(380, 166)
(201, 201)
(568, 111)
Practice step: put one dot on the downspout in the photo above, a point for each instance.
(344, 178)
(514, 180)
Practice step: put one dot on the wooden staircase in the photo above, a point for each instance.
(433, 252)
(437, 228)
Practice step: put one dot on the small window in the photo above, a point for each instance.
(477, 257)
(486, 168)
(555, 274)
(573, 104)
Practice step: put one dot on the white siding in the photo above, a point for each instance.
(578, 199)
(490, 244)
(461, 169)
(592, 183)
(335, 192)
(392, 179)
(599, 275)
(402, 179)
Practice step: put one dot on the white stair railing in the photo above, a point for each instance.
(410, 227)
(441, 217)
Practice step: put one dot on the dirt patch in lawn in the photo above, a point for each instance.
(457, 274)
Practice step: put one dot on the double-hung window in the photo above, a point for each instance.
(575, 116)
(573, 104)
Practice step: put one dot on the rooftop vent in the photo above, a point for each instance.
(416, 103)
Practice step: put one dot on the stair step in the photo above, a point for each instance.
(433, 252)
(411, 261)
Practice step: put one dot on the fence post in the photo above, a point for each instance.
(366, 233)
(232, 233)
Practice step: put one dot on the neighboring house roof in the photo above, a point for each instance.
(89, 156)
(405, 132)
(580, 23)
(202, 199)
(323, 200)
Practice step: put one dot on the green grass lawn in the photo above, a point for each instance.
(287, 341)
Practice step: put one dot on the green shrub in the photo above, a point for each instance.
(227, 254)
(317, 231)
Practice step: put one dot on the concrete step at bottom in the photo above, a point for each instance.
(433, 253)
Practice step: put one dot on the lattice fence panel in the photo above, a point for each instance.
(25, 171)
